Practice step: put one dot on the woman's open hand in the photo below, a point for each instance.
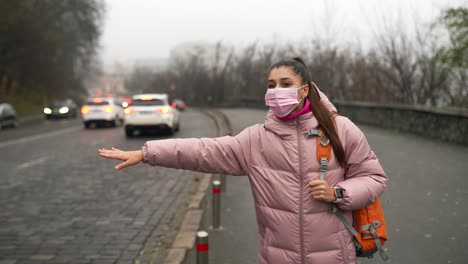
(129, 158)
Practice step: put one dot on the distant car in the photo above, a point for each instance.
(102, 111)
(179, 104)
(7, 116)
(151, 112)
(61, 109)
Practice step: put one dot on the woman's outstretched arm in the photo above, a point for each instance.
(225, 155)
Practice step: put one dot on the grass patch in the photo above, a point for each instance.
(25, 106)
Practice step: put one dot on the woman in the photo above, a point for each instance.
(291, 202)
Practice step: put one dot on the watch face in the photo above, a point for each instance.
(339, 193)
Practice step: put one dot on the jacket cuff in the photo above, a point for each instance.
(145, 153)
(347, 203)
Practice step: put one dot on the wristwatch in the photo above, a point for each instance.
(338, 194)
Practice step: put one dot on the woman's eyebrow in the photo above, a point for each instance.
(281, 79)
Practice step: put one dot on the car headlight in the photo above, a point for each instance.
(47, 111)
(63, 110)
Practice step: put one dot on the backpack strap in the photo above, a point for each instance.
(323, 149)
(323, 153)
(313, 133)
(323, 156)
(334, 209)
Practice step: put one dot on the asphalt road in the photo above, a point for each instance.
(61, 203)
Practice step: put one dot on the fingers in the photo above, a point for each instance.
(317, 185)
(319, 198)
(317, 193)
(109, 155)
(105, 153)
(129, 158)
(318, 190)
(110, 150)
(129, 162)
(123, 165)
(112, 154)
(314, 183)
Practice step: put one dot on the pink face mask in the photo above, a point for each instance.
(282, 100)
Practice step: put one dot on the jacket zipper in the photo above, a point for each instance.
(301, 227)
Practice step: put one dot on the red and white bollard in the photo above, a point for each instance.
(216, 205)
(202, 247)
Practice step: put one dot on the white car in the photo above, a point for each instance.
(7, 116)
(102, 110)
(151, 112)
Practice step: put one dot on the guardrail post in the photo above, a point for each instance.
(202, 247)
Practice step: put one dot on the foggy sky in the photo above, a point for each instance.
(136, 29)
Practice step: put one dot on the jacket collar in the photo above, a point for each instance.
(286, 128)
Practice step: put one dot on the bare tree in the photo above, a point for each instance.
(400, 69)
(433, 73)
(244, 73)
(398, 54)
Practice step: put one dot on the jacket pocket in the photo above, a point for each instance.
(343, 247)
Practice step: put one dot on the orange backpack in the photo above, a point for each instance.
(368, 227)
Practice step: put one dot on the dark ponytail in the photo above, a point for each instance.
(323, 115)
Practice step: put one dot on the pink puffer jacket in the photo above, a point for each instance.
(280, 161)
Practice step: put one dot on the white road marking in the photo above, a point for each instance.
(33, 162)
(39, 136)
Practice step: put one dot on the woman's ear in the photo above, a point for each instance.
(305, 91)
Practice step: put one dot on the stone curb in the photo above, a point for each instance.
(185, 238)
